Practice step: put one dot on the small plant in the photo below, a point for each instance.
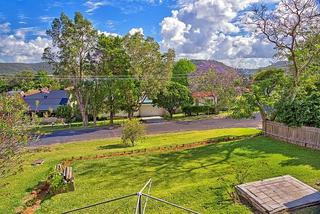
(55, 180)
(132, 131)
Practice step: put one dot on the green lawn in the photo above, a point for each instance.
(183, 117)
(191, 178)
(47, 129)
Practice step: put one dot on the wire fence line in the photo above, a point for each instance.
(99, 203)
(139, 208)
(112, 77)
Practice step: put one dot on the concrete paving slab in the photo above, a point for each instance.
(278, 195)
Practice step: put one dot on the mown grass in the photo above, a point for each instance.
(183, 117)
(48, 129)
(191, 178)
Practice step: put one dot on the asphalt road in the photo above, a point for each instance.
(65, 136)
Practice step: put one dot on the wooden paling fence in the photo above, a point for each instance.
(302, 136)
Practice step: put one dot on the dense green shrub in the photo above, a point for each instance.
(65, 112)
(196, 110)
(304, 110)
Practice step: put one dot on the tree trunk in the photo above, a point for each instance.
(264, 118)
(84, 115)
(171, 114)
(111, 117)
(83, 112)
(94, 117)
(82, 109)
(130, 115)
(264, 126)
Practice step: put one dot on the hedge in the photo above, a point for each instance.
(196, 110)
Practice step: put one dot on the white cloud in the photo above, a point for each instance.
(249, 63)
(175, 30)
(136, 30)
(209, 29)
(110, 25)
(22, 32)
(16, 49)
(126, 7)
(93, 5)
(46, 19)
(5, 27)
(108, 33)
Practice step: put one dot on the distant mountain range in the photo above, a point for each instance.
(12, 68)
(202, 65)
(249, 72)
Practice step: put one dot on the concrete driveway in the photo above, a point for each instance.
(65, 136)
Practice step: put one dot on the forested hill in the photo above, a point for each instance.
(280, 64)
(206, 64)
(12, 68)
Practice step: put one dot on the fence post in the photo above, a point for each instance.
(264, 127)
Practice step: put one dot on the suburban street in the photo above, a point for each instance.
(65, 136)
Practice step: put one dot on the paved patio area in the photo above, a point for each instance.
(279, 195)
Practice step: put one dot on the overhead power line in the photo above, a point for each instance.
(115, 77)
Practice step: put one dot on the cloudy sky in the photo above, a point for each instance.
(196, 29)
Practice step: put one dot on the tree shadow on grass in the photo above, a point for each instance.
(170, 165)
(297, 155)
(114, 146)
(216, 159)
(197, 169)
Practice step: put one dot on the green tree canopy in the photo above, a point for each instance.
(23, 80)
(181, 70)
(173, 97)
(43, 80)
(73, 41)
(114, 64)
(16, 131)
(149, 70)
(267, 88)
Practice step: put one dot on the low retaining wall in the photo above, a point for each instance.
(302, 136)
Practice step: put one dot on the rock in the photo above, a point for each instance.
(38, 162)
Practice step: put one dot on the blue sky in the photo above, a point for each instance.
(202, 29)
(110, 16)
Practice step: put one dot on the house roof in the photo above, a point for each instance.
(203, 94)
(47, 100)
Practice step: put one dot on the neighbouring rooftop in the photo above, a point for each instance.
(279, 195)
(45, 100)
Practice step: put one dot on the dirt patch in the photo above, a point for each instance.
(32, 202)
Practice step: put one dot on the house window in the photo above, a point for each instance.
(45, 96)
